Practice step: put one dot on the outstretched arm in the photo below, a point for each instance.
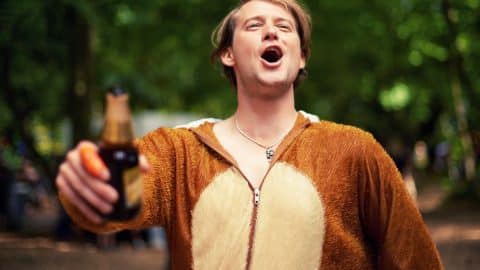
(86, 195)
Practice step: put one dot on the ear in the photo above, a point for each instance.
(227, 57)
(302, 61)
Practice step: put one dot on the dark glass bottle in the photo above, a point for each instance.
(120, 155)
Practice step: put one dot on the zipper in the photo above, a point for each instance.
(253, 225)
(256, 192)
(256, 196)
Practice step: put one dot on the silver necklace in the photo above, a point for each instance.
(269, 149)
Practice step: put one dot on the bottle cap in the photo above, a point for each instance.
(117, 91)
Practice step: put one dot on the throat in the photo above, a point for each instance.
(269, 148)
(253, 167)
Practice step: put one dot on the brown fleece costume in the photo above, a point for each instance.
(332, 199)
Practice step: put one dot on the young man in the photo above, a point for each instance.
(269, 187)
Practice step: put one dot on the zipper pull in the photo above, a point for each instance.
(256, 194)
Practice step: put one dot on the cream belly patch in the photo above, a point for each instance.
(288, 232)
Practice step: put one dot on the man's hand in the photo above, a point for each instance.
(83, 179)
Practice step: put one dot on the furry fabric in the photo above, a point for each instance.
(219, 241)
(290, 228)
(332, 199)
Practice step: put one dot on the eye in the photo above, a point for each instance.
(284, 27)
(253, 26)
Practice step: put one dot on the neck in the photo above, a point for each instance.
(265, 119)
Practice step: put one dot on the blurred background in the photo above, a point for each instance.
(408, 71)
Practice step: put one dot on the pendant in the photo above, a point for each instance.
(269, 152)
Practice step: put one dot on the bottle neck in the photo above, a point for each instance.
(117, 133)
(117, 128)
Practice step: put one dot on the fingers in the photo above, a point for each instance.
(86, 210)
(86, 191)
(83, 188)
(144, 166)
(81, 177)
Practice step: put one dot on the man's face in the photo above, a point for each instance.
(265, 52)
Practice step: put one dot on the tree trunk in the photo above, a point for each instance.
(79, 105)
(460, 82)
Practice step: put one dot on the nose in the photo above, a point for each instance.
(270, 33)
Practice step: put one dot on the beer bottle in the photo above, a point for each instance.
(117, 150)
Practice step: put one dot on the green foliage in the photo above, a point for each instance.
(380, 65)
(396, 98)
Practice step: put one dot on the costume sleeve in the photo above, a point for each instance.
(158, 148)
(390, 218)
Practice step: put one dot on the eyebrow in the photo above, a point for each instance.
(262, 18)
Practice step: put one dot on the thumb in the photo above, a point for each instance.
(91, 161)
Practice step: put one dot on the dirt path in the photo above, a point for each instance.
(455, 228)
(42, 253)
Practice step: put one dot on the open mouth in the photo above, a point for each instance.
(272, 54)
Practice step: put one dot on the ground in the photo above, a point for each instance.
(454, 226)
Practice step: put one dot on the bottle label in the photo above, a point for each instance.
(132, 183)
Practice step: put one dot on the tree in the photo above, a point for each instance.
(399, 69)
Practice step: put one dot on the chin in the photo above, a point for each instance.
(272, 89)
(276, 81)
